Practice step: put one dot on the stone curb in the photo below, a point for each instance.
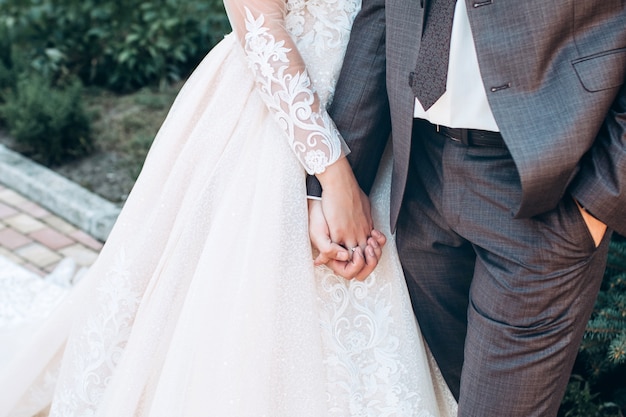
(66, 199)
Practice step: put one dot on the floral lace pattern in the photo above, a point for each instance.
(26, 299)
(321, 30)
(100, 345)
(315, 33)
(290, 97)
(363, 351)
(39, 395)
(377, 362)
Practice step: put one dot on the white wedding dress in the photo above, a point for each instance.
(204, 300)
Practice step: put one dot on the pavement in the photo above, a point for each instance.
(45, 218)
(51, 231)
(36, 239)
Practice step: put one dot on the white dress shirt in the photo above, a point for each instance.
(464, 103)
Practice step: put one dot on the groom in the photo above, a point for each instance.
(509, 147)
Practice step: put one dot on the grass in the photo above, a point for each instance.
(123, 128)
(126, 124)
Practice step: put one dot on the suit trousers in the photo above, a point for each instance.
(501, 301)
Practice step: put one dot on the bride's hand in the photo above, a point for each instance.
(346, 207)
(347, 221)
(335, 256)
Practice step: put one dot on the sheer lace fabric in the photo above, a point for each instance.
(273, 34)
(204, 301)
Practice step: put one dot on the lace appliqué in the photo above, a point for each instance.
(39, 395)
(290, 97)
(321, 30)
(27, 299)
(363, 358)
(96, 351)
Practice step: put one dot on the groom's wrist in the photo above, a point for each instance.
(313, 188)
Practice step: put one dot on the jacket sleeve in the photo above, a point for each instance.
(600, 184)
(360, 108)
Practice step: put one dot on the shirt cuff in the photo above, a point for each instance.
(313, 187)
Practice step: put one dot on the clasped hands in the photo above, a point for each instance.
(341, 227)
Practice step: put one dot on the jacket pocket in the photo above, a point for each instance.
(601, 71)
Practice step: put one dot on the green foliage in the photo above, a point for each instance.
(579, 401)
(7, 79)
(601, 363)
(126, 124)
(7, 74)
(119, 45)
(49, 123)
(46, 45)
(605, 336)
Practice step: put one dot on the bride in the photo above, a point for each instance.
(205, 299)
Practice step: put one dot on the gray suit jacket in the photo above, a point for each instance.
(554, 73)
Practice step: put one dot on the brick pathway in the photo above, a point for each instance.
(37, 239)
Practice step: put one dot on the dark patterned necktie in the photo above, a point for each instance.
(428, 82)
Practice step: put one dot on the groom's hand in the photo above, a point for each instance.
(373, 252)
(349, 264)
(597, 229)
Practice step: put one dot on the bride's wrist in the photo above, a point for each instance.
(337, 174)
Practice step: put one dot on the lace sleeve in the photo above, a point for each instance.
(284, 83)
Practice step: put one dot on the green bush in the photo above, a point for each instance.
(118, 45)
(7, 74)
(579, 401)
(598, 384)
(7, 79)
(50, 124)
